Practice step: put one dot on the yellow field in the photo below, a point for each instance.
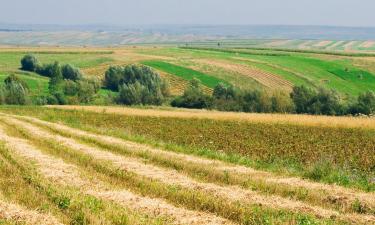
(305, 120)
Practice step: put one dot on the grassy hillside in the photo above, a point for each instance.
(244, 68)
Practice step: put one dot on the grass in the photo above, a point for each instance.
(185, 73)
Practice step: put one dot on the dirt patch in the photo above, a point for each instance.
(323, 43)
(349, 46)
(20, 215)
(368, 44)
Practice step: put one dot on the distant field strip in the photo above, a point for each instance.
(185, 73)
(265, 78)
(304, 120)
(163, 183)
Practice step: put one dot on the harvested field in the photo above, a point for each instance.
(71, 157)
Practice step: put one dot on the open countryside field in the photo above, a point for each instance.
(119, 167)
(348, 74)
(161, 165)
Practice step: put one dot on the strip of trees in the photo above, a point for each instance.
(301, 100)
(67, 84)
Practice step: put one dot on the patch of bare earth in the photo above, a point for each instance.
(172, 177)
(305, 45)
(323, 43)
(332, 192)
(18, 214)
(267, 79)
(349, 46)
(332, 47)
(60, 172)
(368, 44)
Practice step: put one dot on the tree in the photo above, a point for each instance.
(137, 85)
(15, 93)
(302, 97)
(70, 72)
(193, 97)
(365, 104)
(113, 78)
(29, 63)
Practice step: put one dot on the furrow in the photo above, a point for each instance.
(171, 177)
(332, 192)
(18, 214)
(68, 175)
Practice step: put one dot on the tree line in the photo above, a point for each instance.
(302, 100)
(141, 85)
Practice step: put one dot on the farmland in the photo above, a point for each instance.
(160, 166)
(348, 74)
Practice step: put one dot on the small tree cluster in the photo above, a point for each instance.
(321, 102)
(301, 100)
(193, 97)
(136, 85)
(227, 98)
(14, 91)
(31, 63)
(70, 89)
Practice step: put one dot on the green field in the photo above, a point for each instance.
(185, 73)
(348, 74)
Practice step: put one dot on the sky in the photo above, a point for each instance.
(249, 12)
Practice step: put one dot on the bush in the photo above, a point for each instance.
(136, 85)
(29, 63)
(323, 102)
(365, 104)
(193, 97)
(71, 73)
(15, 92)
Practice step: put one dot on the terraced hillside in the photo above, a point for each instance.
(61, 174)
(347, 73)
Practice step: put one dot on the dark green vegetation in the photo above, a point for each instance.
(334, 155)
(136, 85)
(301, 100)
(66, 85)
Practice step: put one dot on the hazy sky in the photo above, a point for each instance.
(299, 12)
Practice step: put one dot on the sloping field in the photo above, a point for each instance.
(267, 79)
(155, 185)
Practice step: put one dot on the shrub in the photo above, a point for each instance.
(71, 73)
(113, 78)
(193, 97)
(365, 104)
(29, 63)
(136, 85)
(15, 91)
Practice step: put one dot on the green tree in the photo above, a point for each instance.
(193, 97)
(113, 78)
(29, 63)
(365, 104)
(14, 91)
(70, 72)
